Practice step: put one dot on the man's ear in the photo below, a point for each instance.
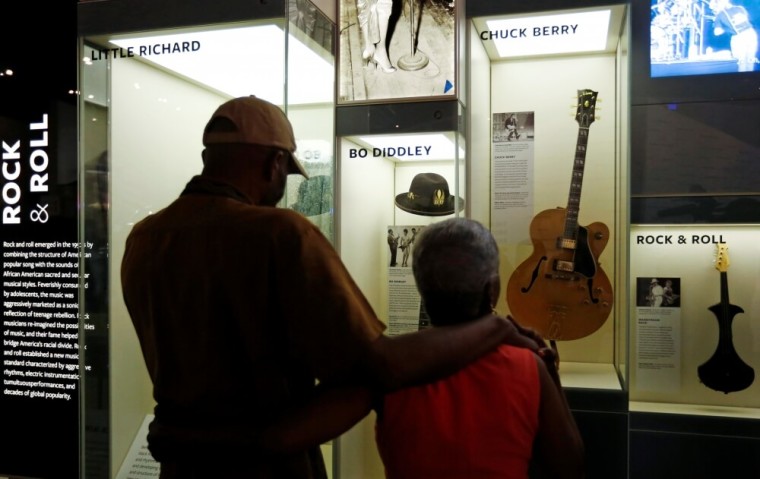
(272, 164)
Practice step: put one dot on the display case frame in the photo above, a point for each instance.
(395, 162)
(139, 106)
(526, 180)
(514, 163)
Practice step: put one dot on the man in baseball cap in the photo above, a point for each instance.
(247, 317)
(252, 121)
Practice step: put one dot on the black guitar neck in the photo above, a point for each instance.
(585, 114)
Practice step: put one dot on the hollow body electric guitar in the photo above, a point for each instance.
(561, 290)
(725, 371)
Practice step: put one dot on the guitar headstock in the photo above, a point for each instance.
(721, 260)
(586, 107)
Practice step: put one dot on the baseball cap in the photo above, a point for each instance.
(257, 122)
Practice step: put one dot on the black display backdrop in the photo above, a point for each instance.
(696, 162)
(39, 399)
(694, 139)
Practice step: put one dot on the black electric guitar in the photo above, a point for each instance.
(725, 371)
(561, 290)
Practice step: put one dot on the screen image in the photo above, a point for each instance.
(701, 37)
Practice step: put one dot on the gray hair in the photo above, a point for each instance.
(453, 262)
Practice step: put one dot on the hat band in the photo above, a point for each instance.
(437, 199)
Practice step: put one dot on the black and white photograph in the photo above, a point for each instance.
(658, 292)
(396, 49)
(699, 37)
(400, 243)
(513, 126)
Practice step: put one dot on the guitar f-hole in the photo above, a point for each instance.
(533, 275)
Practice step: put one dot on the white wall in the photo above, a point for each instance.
(155, 149)
(695, 328)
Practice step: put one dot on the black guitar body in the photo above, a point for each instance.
(725, 371)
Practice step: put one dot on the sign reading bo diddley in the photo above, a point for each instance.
(421, 152)
(13, 166)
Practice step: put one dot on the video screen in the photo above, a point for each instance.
(701, 37)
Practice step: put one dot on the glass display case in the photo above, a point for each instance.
(409, 180)
(694, 218)
(548, 127)
(556, 128)
(401, 168)
(148, 85)
(402, 165)
(595, 171)
(692, 319)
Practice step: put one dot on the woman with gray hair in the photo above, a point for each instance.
(456, 268)
(499, 416)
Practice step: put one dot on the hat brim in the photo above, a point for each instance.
(448, 208)
(295, 166)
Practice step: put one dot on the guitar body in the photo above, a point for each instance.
(561, 303)
(725, 371)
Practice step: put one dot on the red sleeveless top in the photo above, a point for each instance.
(478, 423)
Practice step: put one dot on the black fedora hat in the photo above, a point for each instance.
(429, 196)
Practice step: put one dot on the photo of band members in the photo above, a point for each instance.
(692, 37)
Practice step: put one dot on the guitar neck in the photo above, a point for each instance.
(576, 185)
(724, 326)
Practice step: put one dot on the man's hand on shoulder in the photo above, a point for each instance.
(529, 338)
(518, 335)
